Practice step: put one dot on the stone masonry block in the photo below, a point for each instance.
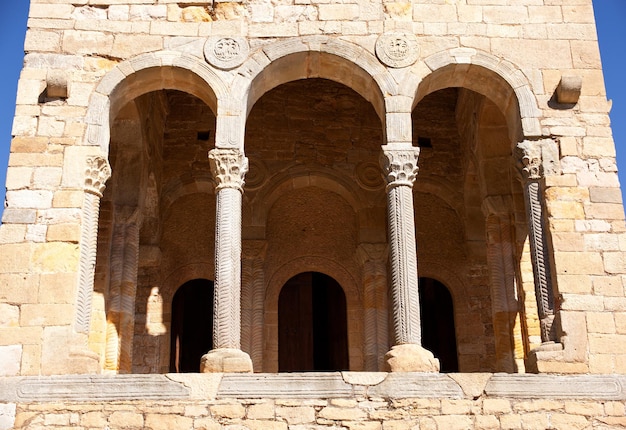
(55, 257)
(338, 12)
(605, 195)
(10, 358)
(296, 415)
(42, 41)
(18, 288)
(12, 233)
(125, 46)
(579, 263)
(38, 315)
(615, 262)
(87, 42)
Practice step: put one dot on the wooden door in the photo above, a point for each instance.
(312, 325)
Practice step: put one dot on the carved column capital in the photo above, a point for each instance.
(228, 167)
(97, 172)
(254, 249)
(499, 206)
(372, 252)
(529, 160)
(399, 165)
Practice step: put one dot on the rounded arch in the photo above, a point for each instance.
(141, 75)
(301, 177)
(493, 77)
(180, 276)
(446, 275)
(185, 185)
(316, 57)
(329, 268)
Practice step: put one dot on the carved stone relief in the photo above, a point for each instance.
(226, 52)
(395, 49)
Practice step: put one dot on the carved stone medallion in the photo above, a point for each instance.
(226, 52)
(369, 176)
(397, 50)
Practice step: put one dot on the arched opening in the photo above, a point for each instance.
(192, 325)
(312, 324)
(437, 317)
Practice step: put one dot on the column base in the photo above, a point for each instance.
(226, 360)
(83, 361)
(410, 357)
(551, 357)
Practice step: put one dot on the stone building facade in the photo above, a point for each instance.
(296, 186)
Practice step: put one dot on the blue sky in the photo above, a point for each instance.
(610, 19)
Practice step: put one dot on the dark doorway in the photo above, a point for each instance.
(312, 324)
(437, 315)
(192, 325)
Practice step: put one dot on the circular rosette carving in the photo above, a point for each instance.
(369, 176)
(397, 50)
(226, 52)
(257, 174)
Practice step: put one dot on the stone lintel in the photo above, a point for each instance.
(310, 385)
(608, 387)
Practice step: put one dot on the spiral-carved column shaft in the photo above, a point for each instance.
(229, 167)
(500, 258)
(97, 172)
(531, 169)
(122, 289)
(252, 294)
(373, 257)
(226, 308)
(400, 167)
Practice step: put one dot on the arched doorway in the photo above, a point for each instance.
(437, 317)
(192, 325)
(312, 324)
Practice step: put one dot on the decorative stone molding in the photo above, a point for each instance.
(226, 52)
(97, 172)
(328, 385)
(228, 167)
(531, 167)
(397, 50)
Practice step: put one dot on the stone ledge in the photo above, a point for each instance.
(89, 388)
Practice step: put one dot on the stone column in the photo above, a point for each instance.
(373, 258)
(399, 163)
(229, 167)
(97, 172)
(532, 174)
(122, 289)
(503, 282)
(252, 296)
